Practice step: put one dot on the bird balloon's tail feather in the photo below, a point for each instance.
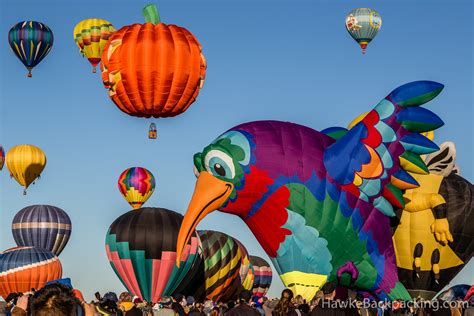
(399, 292)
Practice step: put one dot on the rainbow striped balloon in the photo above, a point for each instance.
(136, 185)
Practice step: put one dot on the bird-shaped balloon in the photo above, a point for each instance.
(319, 206)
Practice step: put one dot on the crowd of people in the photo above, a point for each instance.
(61, 300)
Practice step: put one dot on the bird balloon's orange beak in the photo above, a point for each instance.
(210, 193)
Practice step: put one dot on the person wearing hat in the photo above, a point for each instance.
(126, 305)
(327, 306)
(166, 309)
(243, 308)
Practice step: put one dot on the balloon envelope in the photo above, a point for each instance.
(24, 268)
(141, 248)
(136, 185)
(2, 157)
(90, 36)
(42, 226)
(25, 163)
(363, 24)
(262, 276)
(30, 41)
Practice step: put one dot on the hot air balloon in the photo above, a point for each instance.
(24, 268)
(31, 41)
(222, 259)
(136, 185)
(153, 69)
(262, 276)
(245, 266)
(25, 163)
(319, 206)
(141, 248)
(363, 24)
(432, 241)
(42, 226)
(91, 35)
(2, 157)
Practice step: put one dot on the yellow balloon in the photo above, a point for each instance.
(91, 35)
(25, 163)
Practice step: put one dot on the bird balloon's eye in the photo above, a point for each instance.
(219, 169)
(219, 164)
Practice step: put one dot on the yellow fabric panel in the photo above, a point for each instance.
(25, 163)
(304, 284)
(415, 226)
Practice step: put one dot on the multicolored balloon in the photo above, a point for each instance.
(320, 206)
(222, 259)
(25, 163)
(363, 24)
(2, 157)
(42, 226)
(141, 248)
(31, 41)
(153, 69)
(24, 268)
(136, 185)
(262, 276)
(91, 35)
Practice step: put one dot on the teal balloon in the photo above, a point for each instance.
(363, 24)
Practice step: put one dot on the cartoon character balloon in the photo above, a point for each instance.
(42, 226)
(30, 41)
(262, 276)
(319, 206)
(24, 268)
(153, 69)
(136, 184)
(141, 248)
(90, 36)
(25, 163)
(363, 24)
(432, 240)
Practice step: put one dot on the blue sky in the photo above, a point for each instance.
(283, 60)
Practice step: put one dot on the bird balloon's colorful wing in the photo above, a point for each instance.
(373, 158)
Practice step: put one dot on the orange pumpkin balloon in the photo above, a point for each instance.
(153, 70)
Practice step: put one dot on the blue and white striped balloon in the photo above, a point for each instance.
(42, 226)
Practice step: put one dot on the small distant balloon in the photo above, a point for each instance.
(30, 41)
(91, 35)
(2, 157)
(363, 24)
(136, 185)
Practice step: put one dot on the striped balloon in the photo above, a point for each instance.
(42, 226)
(249, 278)
(363, 24)
(141, 248)
(136, 185)
(91, 35)
(24, 268)
(263, 276)
(31, 41)
(222, 259)
(2, 157)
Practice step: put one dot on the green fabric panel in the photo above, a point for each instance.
(343, 240)
(421, 99)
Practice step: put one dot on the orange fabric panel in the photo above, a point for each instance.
(153, 70)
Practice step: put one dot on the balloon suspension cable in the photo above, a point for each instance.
(29, 75)
(151, 14)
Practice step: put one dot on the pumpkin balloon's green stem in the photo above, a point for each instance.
(151, 14)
